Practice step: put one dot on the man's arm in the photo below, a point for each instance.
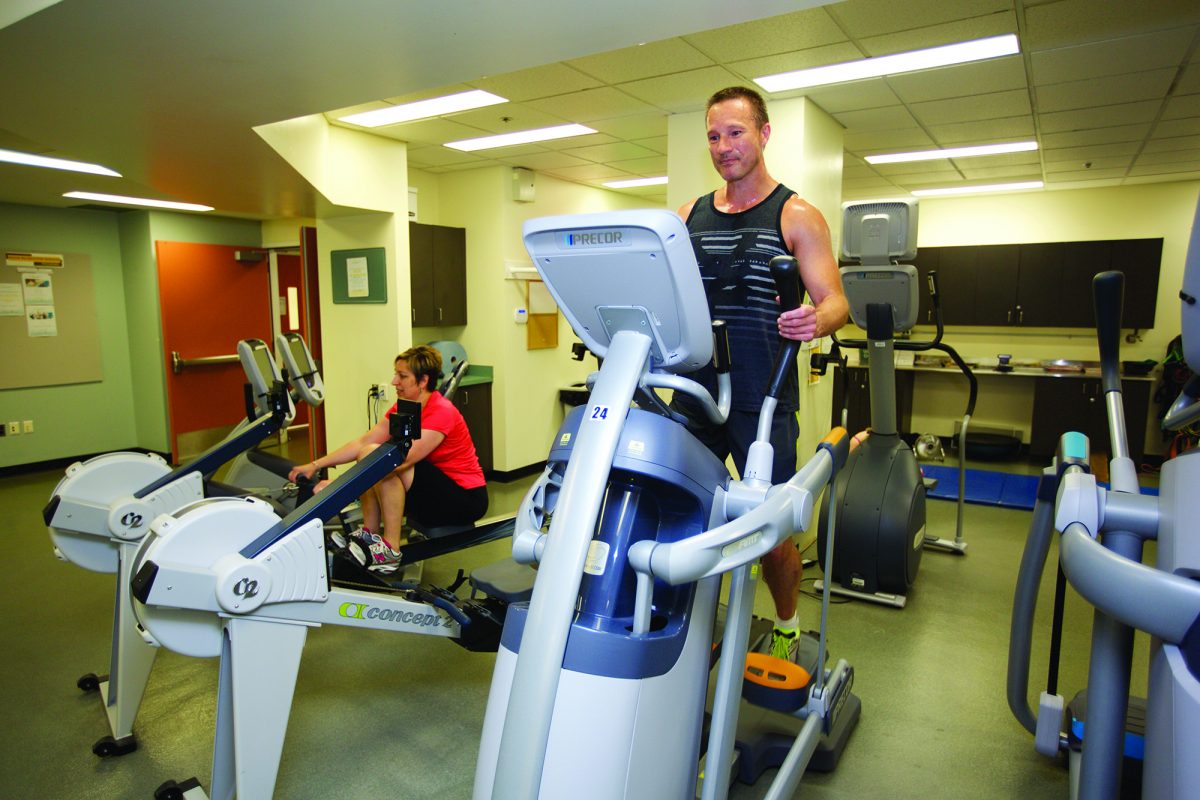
(807, 237)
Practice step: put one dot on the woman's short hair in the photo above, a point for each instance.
(423, 360)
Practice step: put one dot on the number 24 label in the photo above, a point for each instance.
(599, 412)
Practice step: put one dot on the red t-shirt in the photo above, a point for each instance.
(455, 456)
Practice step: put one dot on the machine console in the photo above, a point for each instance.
(626, 270)
(262, 373)
(303, 374)
(877, 234)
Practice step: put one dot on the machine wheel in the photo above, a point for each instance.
(168, 791)
(90, 682)
(108, 747)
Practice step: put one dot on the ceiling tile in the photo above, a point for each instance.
(527, 84)
(914, 167)
(602, 103)
(1188, 126)
(1099, 117)
(680, 92)
(1165, 169)
(996, 105)
(657, 143)
(649, 166)
(1073, 21)
(423, 157)
(1187, 105)
(1084, 138)
(864, 18)
(759, 66)
(981, 131)
(1077, 165)
(550, 159)
(1015, 172)
(949, 177)
(871, 142)
(1157, 145)
(963, 30)
(643, 61)
(1110, 57)
(637, 126)
(849, 96)
(586, 140)
(589, 172)
(1189, 81)
(592, 104)
(1092, 153)
(962, 80)
(877, 119)
(616, 151)
(1085, 175)
(438, 130)
(1104, 91)
(1169, 157)
(801, 30)
(507, 118)
(425, 94)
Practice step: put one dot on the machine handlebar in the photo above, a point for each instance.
(1108, 292)
(786, 272)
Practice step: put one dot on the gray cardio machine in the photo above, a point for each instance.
(599, 686)
(1100, 551)
(881, 492)
(101, 510)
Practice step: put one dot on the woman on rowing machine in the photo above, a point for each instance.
(439, 483)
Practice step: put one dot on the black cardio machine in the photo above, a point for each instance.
(881, 526)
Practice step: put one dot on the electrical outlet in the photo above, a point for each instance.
(14, 428)
(27, 426)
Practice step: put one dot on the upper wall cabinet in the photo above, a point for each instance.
(1045, 285)
(438, 274)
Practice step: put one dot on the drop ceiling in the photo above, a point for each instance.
(168, 93)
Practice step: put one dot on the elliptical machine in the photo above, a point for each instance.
(881, 493)
(1100, 551)
(604, 674)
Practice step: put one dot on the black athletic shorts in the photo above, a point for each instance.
(435, 500)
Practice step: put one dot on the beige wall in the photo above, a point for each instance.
(1132, 212)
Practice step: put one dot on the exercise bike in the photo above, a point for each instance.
(600, 682)
(881, 493)
(1100, 552)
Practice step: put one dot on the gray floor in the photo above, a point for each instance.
(378, 715)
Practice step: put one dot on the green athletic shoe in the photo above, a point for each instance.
(784, 643)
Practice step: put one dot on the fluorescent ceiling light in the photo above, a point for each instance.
(996, 187)
(137, 201)
(31, 160)
(423, 109)
(953, 152)
(635, 182)
(975, 50)
(521, 137)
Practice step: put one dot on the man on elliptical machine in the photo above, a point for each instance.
(735, 232)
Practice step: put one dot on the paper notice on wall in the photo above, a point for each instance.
(34, 260)
(39, 288)
(357, 284)
(11, 304)
(41, 321)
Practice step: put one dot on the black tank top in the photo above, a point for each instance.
(733, 251)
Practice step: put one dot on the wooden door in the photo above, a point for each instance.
(208, 301)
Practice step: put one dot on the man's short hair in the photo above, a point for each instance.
(758, 106)
(423, 360)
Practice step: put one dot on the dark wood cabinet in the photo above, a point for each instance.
(438, 274)
(1062, 404)
(474, 402)
(852, 387)
(1045, 285)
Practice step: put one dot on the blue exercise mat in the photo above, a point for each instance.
(984, 486)
(989, 487)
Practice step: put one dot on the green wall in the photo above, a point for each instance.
(128, 407)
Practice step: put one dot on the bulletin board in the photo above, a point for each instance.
(54, 339)
(359, 276)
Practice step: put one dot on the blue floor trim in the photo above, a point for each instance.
(988, 487)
